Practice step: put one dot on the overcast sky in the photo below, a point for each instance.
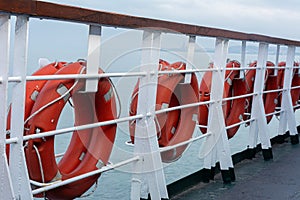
(278, 18)
(68, 41)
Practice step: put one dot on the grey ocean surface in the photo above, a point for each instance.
(116, 184)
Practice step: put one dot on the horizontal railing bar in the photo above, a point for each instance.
(164, 149)
(175, 71)
(47, 10)
(253, 68)
(295, 87)
(205, 70)
(271, 91)
(92, 173)
(239, 123)
(109, 122)
(238, 97)
(280, 89)
(14, 79)
(11, 140)
(81, 127)
(183, 106)
(274, 113)
(105, 123)
(296, 106)
(59, 155)
(43, 184)
(201, 126)
(241, 69)
(83, 76)
(104, 75)
(282, 67)
(120, 74)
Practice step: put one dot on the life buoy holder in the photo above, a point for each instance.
(232, 109)
(88, 150)
(175, 126)
(271, 83)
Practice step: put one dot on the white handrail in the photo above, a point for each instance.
(240, 123)
(164, 149)
(82, 176)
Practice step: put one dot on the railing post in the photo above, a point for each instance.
(243, 59)
(287, 116)
(277, 59)
(6, 189)
(259, 126)
(216, 146)
(93, 59)
(148, 176)
(190, 57)
(18, 169)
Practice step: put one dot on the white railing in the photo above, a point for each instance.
(146, 161)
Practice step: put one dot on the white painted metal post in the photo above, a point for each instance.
(18, 169)
(93, 59)
(216, 146)
(190, 57)
(258, 128)
(6, 189)
(243, 59)
(277, 59)
(148, 175)
(287, 116)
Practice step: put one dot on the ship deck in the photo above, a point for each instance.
(256, 178)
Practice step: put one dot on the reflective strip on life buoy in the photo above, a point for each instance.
(232, 109)
(88, 150)
(178, 125)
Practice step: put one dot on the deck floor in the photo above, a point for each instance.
(256, 179)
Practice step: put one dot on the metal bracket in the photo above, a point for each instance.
(217, 145)
(93, 59)
(277, 59)
(243, 59)
(287, 116)
(148, 175)
(259, 126)
(190, 58)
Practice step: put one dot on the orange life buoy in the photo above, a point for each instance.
(232, 109)
(33, 88)
(178, 125)
(295, 93)
(237, 106)
(88, 150)
(271, 83)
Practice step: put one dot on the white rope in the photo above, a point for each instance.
(55, 100)
(118, 97)
(41, 166)
(40, 163)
